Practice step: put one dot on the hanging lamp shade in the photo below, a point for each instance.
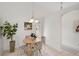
(36, 21)
(31, 20)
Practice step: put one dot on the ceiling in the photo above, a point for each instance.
(69, 4)
(50, 7)
(55, 6)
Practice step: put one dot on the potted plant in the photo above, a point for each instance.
(8, 30)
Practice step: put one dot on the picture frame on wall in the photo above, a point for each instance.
(76, 25)
(77, 28)
(27, 26)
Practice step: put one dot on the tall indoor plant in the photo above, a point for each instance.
(8, 30)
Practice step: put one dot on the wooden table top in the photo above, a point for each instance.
(30, 40)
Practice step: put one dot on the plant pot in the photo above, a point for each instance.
(12, 46)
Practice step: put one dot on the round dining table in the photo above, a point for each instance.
(31, 42)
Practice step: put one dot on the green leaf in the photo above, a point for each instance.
(8, 30)
(1, 27)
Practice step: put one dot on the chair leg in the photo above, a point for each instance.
(40, 52)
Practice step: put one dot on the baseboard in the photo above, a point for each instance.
(69, 48)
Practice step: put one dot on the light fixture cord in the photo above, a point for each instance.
(32, 9)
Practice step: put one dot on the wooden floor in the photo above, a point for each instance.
(46, 51)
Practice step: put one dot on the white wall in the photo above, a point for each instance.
(70, 37)
(17, 13)
(52, 30)
(57, 36)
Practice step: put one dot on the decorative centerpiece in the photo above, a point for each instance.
(33, 35)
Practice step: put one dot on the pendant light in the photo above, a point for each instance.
(32, 18)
